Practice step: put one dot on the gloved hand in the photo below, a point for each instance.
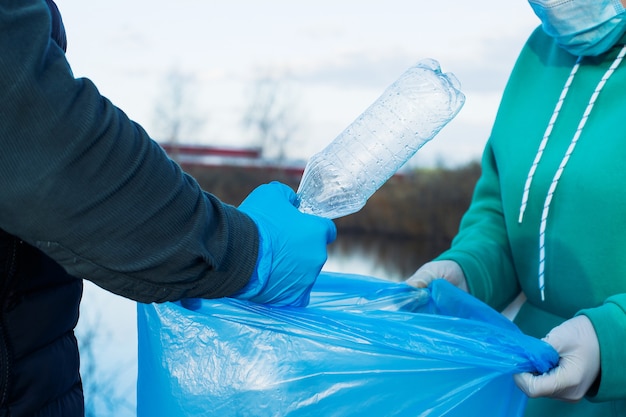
(579, 365)
(292, 247)
(448, 270)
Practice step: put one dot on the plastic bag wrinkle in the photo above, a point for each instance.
(363, 346)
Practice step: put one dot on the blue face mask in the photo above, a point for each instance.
(582, 27)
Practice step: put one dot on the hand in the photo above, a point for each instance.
(579, 365)
(448, 270)
(292, 247)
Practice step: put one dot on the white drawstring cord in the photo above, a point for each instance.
(544, 141)
(568, 153)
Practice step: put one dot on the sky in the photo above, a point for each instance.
(333, 57)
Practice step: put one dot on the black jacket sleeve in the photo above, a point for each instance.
(86, 185)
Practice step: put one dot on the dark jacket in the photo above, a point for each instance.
(87, 186)
(39, 359)
(90, 195)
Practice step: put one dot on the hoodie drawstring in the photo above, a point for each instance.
(568, 153)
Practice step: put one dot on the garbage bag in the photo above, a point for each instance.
(363, 346)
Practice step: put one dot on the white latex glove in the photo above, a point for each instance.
(579, 365)
(448, 270)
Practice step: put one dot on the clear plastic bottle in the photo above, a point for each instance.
(341, 178)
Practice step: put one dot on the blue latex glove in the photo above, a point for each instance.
(292, 247)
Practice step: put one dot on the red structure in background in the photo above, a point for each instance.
(179, 149)
(215, 156)
(245, 158)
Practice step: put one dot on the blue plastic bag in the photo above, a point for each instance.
(363, 346)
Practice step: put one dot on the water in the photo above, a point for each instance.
(382, 257)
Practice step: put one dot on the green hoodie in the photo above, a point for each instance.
(585, 227)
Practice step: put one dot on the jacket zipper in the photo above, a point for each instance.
(5, 356)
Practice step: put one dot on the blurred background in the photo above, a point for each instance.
(283, 78)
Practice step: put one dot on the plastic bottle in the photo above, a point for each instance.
(338, 180)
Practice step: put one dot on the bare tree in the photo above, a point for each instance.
(271, 115)
(100, 385)
(175, 115)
